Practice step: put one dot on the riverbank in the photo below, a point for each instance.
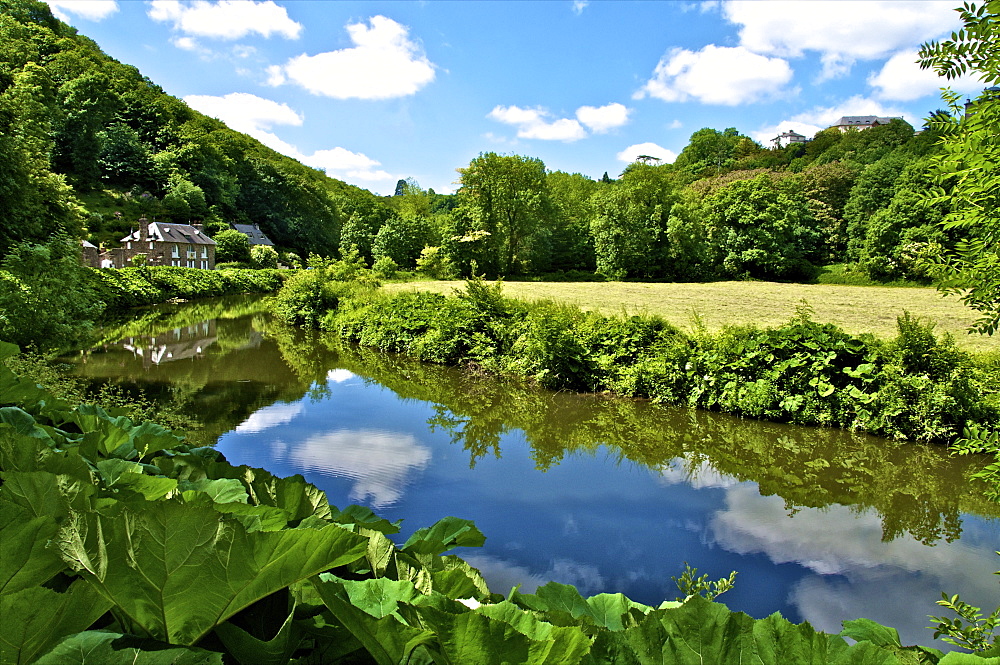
(914, 386)
(855, 309)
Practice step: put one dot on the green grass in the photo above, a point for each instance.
(856, 309)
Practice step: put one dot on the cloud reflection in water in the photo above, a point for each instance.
(379, 461)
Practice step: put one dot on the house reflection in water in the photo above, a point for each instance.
(187, 342)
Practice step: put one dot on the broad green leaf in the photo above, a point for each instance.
(612, 610)
(474, 637)
(220, 490)
(147, 558)
(44, 493)
(124, 474)
(378, 597)
(443, 535)
(387, 640)
(35, 619)
(957, 658)
(255, 518)
(8, 350)
(364, 517)
(249, 650)
(100, 648)
(25, 561)
(550, 644)
(874, 632)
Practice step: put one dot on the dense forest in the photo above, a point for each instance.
(89, 145)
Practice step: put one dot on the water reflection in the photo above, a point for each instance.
(606, 494)
(379, 462)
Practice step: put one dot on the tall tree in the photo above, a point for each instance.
(506, 196)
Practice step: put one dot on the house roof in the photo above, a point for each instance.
(253, 232)
(165, 232)
(88, 244)
(862, 121)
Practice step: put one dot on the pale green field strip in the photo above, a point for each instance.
(856, 309)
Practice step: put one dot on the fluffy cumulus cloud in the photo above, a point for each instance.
(256, 116)
(268, 417)
(91, 10)
(379, 462)
(633, 152)
(840, 32)
(717, 75)
(244, 112)
(225, 19)
(600, 119)
(383, 63)
(852, 571)
(537, 123)
(901, 79)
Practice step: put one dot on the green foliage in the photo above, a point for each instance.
(508, 198)
(231, 245)
(690, 585)
(135, 287)
(385, 268)
(970, 630)
(965, 172)
(264, 257)
(46, 301)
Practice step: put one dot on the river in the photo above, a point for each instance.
(608, 494)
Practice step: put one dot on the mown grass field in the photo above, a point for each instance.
(857, 309)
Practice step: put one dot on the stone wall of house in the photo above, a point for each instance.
(160, 255)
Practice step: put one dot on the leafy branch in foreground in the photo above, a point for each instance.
(969, 630)
(689, 585)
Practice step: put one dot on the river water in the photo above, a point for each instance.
(610, 495)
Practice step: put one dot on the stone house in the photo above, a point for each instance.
(861, 122)
(164, 244)
(253, 232)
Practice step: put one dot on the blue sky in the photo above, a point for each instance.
(377, 91)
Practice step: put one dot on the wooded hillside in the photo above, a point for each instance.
(88, 146)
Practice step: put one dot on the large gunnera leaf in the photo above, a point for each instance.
(33, 620)
(175, 570)
(100, 648)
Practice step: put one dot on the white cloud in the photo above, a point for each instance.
(226, 19)
(600, 119)
(268, 417)
(841, 32)
(91, 10)
(843, 542)
(383, 63)
(676, 124)
(275, 76)
(902, 79)
(245, 112)
(536, 124)
(717, 75)
(631, 153)
(579, 6)
(824, 116)
(379, 462)
(186, 43)
(339, 375)
(340, 162)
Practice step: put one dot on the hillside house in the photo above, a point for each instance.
(164, 244)
(861, 122)
(787, 138)
(253, 232)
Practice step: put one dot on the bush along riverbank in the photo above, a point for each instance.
(124, 545)
(50, 302)
(916, 387)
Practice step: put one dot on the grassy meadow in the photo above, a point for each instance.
(856, 309)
